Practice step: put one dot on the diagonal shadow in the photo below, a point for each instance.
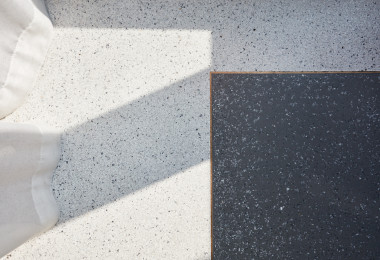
(156, 136)
(166, 131)
(133, 146)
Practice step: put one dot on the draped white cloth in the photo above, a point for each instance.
(28, 153)
(25, 33)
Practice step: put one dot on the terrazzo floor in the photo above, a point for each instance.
(296, 163)
(127, 83)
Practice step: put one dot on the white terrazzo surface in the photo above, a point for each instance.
(127, 82)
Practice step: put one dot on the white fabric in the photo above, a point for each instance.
(28, 156)
(25, 33)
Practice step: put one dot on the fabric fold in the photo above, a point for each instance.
(25, 33)
(28, 157)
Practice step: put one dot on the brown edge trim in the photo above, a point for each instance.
(254, 72)
(211, 200)
(289, 72)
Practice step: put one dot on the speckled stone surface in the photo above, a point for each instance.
(127, 83)
(296, 161)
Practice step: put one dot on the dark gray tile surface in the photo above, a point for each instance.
(296, 161)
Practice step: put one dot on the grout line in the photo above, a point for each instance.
(289, 72)
(211, 218)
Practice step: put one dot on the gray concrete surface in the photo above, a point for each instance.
(127, 82)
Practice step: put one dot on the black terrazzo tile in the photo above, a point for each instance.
(296, 161)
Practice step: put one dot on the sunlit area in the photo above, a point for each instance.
(113, 67)
(162, 212)
(127, 87)
(135, 101)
